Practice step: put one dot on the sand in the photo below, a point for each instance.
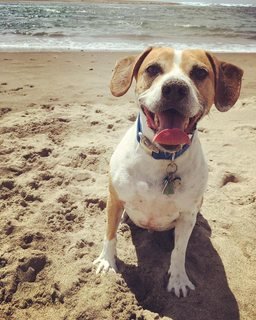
(59, 126)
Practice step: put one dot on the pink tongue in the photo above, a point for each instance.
(171, 137)
(171, 129)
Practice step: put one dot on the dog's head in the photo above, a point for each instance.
(175, 89)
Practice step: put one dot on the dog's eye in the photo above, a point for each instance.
(199, 73)
(154, 70)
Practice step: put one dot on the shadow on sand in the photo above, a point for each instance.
(212, 299)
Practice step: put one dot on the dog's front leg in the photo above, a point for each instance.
(106, 260)
(179, 280)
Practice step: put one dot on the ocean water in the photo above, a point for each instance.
(94, 26)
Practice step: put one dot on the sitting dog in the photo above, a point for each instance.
(158, 173)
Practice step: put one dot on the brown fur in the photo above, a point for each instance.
(228, 80)
(124, 71)
(221, 87)
(114, 212)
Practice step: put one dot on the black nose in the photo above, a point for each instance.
(175, 91)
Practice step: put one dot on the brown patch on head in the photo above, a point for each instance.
(135, 66)
(161, 58)
(194, 63)
(221, 86)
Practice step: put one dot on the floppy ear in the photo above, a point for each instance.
(228, 79)
(124, 71)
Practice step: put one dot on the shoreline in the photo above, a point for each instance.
(36, 51)
(132, 51)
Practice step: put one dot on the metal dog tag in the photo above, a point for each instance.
(170, 183)
(168, 186)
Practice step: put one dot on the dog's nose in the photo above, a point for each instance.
(175, 91)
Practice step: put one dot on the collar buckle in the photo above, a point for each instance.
(147, 145)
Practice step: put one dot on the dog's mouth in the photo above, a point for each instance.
(171, 128)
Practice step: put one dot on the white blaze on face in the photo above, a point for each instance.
(178, 73)
(177, 57)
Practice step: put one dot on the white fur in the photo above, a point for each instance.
(138, 178)
(177, 57)
(138, 181)
(106, 260)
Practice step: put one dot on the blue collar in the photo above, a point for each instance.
(161, 155)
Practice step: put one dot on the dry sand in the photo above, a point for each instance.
(59, 126)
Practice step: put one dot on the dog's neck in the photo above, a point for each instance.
(145, 136)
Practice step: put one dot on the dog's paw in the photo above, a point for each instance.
(180, 283)
(105, 265)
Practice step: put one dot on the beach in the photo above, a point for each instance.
(59, 127)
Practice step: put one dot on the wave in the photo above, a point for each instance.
(201, 26)
(49, 34)
(216, 4)
(56, 34)
(52, 10)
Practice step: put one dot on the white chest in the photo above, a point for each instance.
(138, 181)
(150, 209)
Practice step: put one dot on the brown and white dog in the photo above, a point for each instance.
(158, 173)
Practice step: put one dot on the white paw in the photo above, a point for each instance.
(180, 283)
(106, 261)
(105, 265)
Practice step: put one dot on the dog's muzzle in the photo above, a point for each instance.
(171, 117)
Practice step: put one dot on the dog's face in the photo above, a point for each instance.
(175, 89)
(175, 86)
